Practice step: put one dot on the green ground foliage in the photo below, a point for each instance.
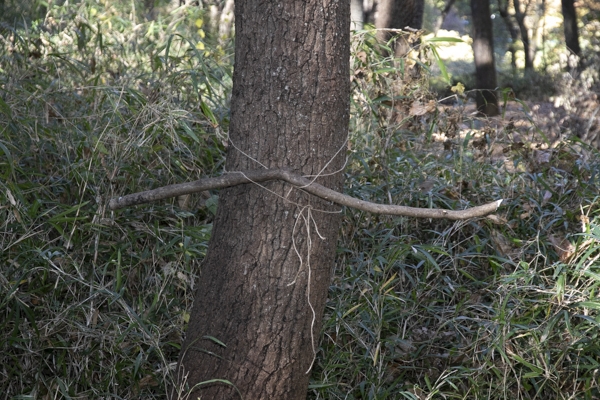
(95, 103)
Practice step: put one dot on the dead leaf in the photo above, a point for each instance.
(547, 196)
(10, 197)
(585, 221)
(542, 156)
(497, 219)
(418, 109)
(562, 246)
(501, 243)
(451, 193)
(362, 56)
(148, 380)
(184, 201)
(426, 185)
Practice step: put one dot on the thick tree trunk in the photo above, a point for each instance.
(483, 50)
(265, 278)
(570, 27)
(398, 14)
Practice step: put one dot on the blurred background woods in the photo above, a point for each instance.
(103, 98)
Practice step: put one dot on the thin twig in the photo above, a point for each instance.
(237, 178)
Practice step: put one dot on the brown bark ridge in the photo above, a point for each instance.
(264, 281)
(398, 14)
(483, 52)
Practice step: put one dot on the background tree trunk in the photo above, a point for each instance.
(483, 51)
(570, 27)
(356, 14)
(529, 39)
(398, 14)
(443, 14)
(512, 30)
(226, 21)
(289, 109)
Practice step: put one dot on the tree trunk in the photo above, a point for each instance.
(520, 17)
(513, 31)
(570, 27)
(356, 14)
(529, 40)
(483, 51)
(398, 14)
(267, 271)
(226, 21)
(444, 13)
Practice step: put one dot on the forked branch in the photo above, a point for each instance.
(263, 175)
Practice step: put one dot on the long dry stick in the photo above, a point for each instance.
(238, 178)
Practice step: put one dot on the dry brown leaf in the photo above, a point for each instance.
(542, 156)
(184, 201)
(418, 109)
(585, 221)
(501, 243)
(148, 380)
(497, 219)
(452, 193)
(562, 246)
(362, 56)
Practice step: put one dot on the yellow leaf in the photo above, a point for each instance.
(186, 317)
(200, 46)
(201, 33)
(459, 88)
(199, 23)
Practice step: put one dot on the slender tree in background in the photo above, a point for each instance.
(356, 14)
(264, 281)
(570, 27)
(443, 14)
(513, 31)
(529, 11)
(399, 14)
(483, 51)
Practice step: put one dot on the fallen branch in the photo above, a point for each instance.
(238, 178)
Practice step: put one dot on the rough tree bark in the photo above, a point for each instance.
(483, 51)
(570, 27)
(398, 14)
(256, 295)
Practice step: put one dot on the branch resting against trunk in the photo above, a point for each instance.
(263, 175)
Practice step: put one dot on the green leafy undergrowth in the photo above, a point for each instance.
(504, 307)
(93, 303)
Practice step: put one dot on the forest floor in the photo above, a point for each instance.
(541, 126)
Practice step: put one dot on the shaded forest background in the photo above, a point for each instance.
(104, 98)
